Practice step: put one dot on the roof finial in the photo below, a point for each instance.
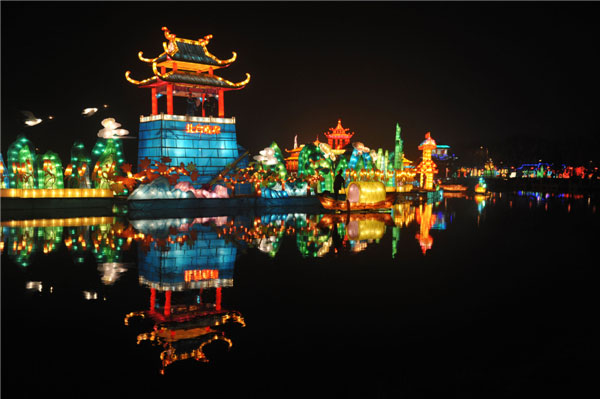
(168, 35)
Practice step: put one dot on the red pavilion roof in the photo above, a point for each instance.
(339, 132)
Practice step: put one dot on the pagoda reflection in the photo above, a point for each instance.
(185, 264)
(426, 220)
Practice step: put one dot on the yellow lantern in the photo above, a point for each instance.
(366, 192)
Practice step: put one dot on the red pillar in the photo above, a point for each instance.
(152, 299)
(154, 102)
(167, 303)
(203, 98)
(170, 99)
(218, 299)
(221, 104)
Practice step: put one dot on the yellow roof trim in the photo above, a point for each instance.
(243, 83)
(138, 82)
(155, 70)
(220, 62)
(148, 60)
(187, 66)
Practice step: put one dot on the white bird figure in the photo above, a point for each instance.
(326, 149)
(89, 112)
(111, 130)
(31, 119)
(361, 148)
(266, 157)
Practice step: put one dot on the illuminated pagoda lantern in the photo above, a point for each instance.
(188, 266)
(291, 162)
(338, 138)
(186, 69)
(427, 167)
(183, 330)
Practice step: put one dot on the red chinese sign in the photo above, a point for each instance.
(202, 129)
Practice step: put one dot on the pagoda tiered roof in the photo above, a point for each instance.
(192, 55)
(428, 143)
(339, 132)
(187, 79)
(187, 63)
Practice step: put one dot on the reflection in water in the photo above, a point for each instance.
(403, 215)
(34, 286)
(356, 231)
(111, 271)
(77, 240)
(426, 220)
(186, 263)
(183, 327)
(170, 250)
(176, 253)
(21, 244)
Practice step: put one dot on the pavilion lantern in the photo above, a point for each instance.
(427, 167)
(187, 69)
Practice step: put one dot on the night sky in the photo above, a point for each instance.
(471, 73)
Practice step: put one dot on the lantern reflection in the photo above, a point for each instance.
(186, 266)
(187, 263)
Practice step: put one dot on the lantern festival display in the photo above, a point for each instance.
(49, 171)
(21, 162)
(203, 135)
(3, 174)
(427, 167)
(365, 192)
(77, 173)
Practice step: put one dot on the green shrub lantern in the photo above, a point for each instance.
(21, 163)
(49, 171)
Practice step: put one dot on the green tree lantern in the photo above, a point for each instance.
(49, 171)
(77, 173)
(21, 163)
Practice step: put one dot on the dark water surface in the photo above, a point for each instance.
(500, 305)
